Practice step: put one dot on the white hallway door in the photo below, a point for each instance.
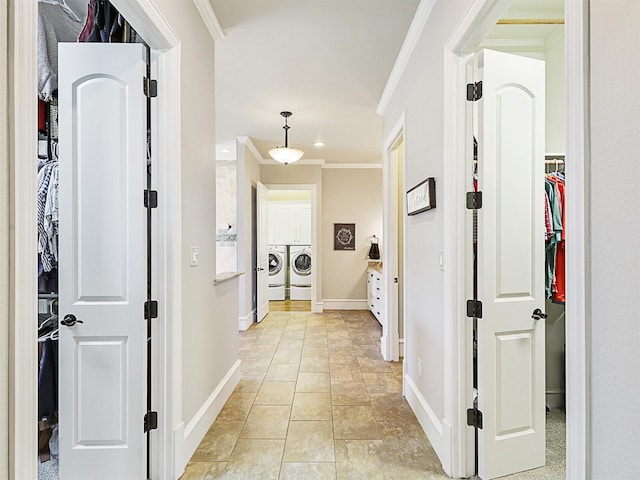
(262, 294)
(511, 262)
(102, 361)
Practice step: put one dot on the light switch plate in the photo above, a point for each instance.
(195, 256)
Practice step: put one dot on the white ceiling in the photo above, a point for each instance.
(327, 61)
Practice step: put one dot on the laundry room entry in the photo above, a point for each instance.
(290, 249)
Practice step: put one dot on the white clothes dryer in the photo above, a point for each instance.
(300, 261)
(277, 271)
(277, 264)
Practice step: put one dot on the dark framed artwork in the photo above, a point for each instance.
(422, 197)
(344, 236)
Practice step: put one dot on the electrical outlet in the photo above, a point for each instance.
(419, 367)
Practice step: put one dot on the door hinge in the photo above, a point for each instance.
(474, 309)
(474, 200)
(150, 87)
(474, 418)
(150, 421)
(151, 309)
(150, 199)
(474, 91)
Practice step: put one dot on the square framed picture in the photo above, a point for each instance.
(344, 236)
(422, 197)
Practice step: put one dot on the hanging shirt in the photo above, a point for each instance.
(559, 294)
(51, 213)
(46, 255)
(554, 238)
(56, 23)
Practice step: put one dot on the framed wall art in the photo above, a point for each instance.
(344, 236)
(422, 197)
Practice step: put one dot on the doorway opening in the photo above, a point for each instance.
(392, 342)
(290, 250)
(286, 251)
(462, 45)
(514, 272)
(164, 62)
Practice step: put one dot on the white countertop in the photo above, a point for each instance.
(225, 276)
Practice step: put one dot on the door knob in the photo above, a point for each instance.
(537, 314)
(70, 320)
(259, 269)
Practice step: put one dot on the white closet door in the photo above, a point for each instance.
(102, 261)
(262, 200)
(511, 362)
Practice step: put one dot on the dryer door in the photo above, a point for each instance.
(275, 263)
(301, 264)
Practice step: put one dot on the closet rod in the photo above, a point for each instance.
(531, 21)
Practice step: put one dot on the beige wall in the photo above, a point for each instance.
(248, 177)
(344, 196)
(349, 196)
(4, 248)
(292, 174)
(209, 313)
(556, 132)
(421, 82)
(612, 249)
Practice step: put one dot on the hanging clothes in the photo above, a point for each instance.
(56, 23)
(47, 215)
(88, 24)
(555, 234)
(108, 24)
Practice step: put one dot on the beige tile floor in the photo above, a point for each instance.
(316, 401)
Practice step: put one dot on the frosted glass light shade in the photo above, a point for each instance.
(286, 155)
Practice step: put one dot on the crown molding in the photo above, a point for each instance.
(210, 20)
(302, 163)
(415, 30)
(352, 166)
(252, 148)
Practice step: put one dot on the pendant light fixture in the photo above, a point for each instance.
(286, 155)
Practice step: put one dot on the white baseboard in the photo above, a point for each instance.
(196, 429)
(318, 307)
(430, 422)
(555, 398)
(179, 463)
(245, 322)
(346, 304)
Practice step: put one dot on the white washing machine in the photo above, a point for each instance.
(277, 271)
(300, 272)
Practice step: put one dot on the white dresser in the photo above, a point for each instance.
(375, 292)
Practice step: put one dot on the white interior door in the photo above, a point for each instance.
(262, 200)
(102, 261)
(390, 338)
(511, 362)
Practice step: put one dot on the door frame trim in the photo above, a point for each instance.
(390, 341)
(473, 27)
(22, 110)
